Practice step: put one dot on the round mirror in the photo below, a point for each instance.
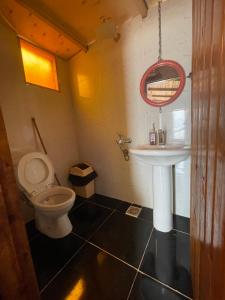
(162, 83)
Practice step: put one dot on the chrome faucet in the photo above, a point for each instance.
(122, 141)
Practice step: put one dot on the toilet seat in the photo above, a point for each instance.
(35, 173)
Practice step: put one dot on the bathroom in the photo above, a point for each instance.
(130, 238)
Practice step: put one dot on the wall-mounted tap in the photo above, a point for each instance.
(122, 141)
(126, 154)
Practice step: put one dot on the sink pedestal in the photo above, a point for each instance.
(162, 158)
(162, 198)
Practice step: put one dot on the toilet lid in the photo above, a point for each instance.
(35, 172)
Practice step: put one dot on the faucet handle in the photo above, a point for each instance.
(123, 140)
(121, 136)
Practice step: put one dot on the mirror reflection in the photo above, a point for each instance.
(162, 84)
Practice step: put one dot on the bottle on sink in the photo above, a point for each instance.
(161, 137)
(153, 136)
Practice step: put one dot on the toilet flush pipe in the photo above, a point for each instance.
(43, 145)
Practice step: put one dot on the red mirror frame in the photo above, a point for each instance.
(162, 63)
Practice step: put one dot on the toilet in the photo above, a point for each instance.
(51, 203)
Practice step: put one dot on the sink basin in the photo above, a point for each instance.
(162, 158)
(166, 155)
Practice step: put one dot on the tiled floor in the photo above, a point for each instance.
(112, 256)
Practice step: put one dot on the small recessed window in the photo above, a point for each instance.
(39, 66)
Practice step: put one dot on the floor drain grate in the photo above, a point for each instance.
(133, 211)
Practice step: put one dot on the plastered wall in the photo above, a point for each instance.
(53, 111)
(107, 101)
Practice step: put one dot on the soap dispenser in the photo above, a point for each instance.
(161, 137)
(161, 134)
(153, 136)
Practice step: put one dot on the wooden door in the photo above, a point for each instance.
(208, 144)
(17, 277)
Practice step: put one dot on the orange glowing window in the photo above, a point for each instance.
(39, 66)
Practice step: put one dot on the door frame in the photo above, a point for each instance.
(17, 276)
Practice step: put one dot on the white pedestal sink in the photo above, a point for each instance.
(162, 158)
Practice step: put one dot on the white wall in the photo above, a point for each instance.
(107, 101)
(53, 110)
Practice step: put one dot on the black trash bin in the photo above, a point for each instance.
(82, 177)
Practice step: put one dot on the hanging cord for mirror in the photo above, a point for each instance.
(42, 144)
(160, 31)
(160, 53)
(160, 118)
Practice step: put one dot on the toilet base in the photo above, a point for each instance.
(53, 227)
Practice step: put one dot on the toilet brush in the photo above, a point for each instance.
(42, 144)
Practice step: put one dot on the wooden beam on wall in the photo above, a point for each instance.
(54, 22)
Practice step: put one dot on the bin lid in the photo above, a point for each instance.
(81, 169)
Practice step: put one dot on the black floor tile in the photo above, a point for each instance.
(105, 201)
(146, 214)
(122, 206)
(167, 259)
(78, 201)
(124, 236)
(31, 230)
(87, 218)
(181, 223)
(147, 289)
(50, 255)
(91, 275)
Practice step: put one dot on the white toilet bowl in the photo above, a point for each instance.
(51, 203)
